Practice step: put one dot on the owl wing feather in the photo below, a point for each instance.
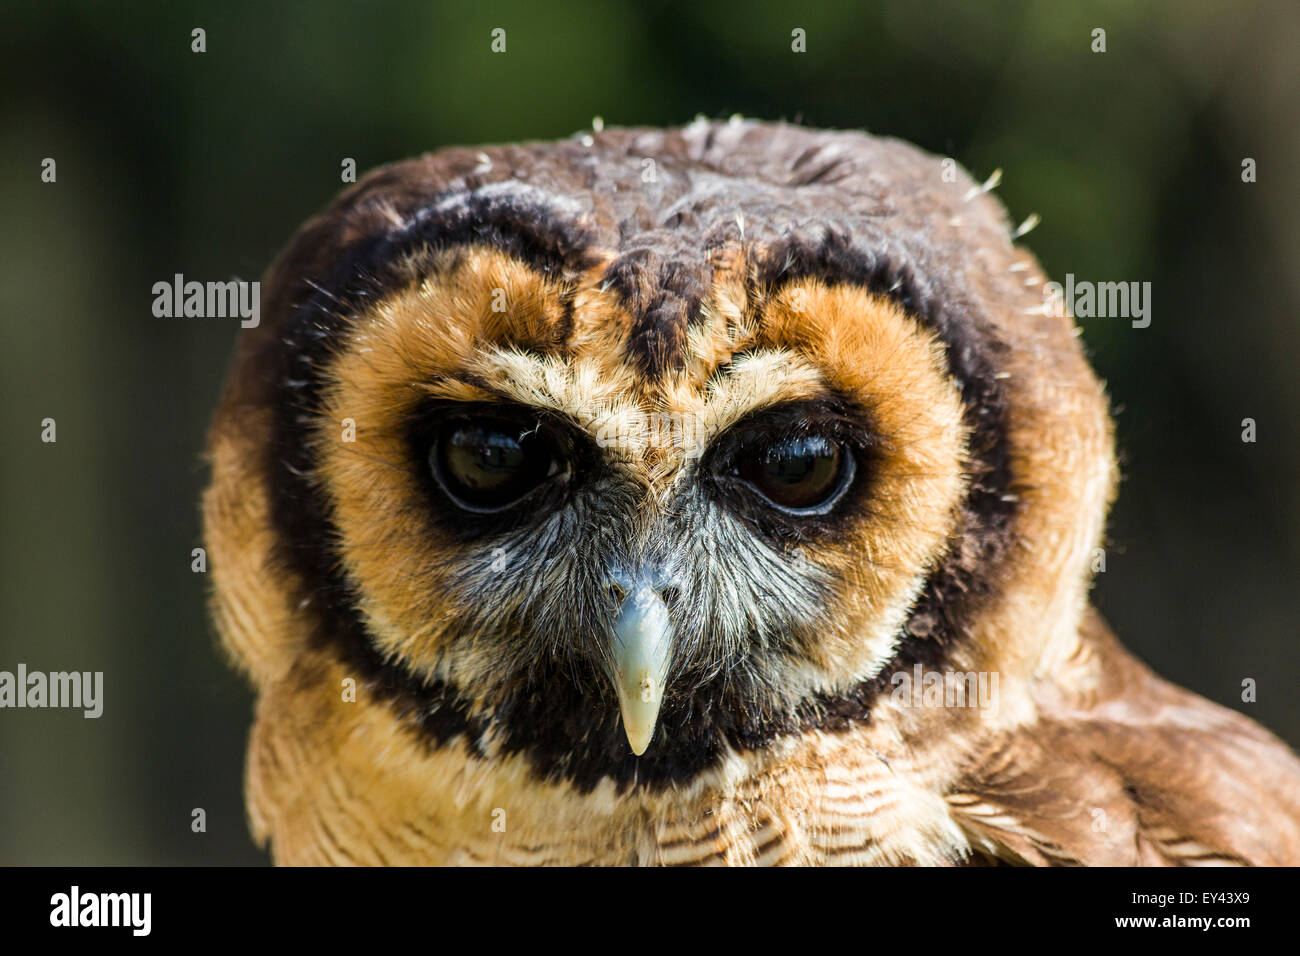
(1132, 771)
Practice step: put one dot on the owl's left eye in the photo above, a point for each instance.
(800, 475)
(486, 465)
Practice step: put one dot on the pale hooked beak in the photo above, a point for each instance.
(641, 653)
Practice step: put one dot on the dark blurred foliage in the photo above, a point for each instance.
(204, 164)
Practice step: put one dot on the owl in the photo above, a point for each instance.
(724, 494)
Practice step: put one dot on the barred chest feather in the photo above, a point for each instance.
(323, 798)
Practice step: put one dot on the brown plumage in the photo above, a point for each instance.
(649, 334)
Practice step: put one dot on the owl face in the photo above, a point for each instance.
(577, 534)
(619, 476)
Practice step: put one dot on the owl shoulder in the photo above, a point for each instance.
(1126, 769)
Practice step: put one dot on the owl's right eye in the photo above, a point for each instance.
(485, 465)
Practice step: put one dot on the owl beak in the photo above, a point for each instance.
(642, 646)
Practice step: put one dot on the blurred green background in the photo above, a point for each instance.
(171, 161)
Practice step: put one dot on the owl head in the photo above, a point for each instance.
(621, 458)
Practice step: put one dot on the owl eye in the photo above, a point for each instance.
(802, 475)
(486, 465)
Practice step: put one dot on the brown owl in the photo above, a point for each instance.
(724, 494)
